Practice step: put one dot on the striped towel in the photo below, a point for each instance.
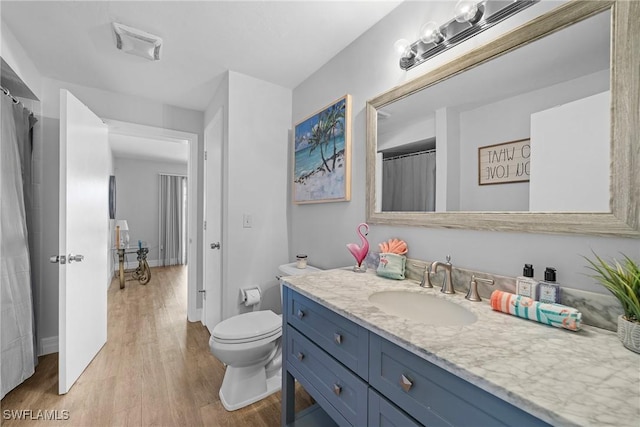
(557, 315)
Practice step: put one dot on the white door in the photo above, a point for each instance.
(213, 137)
(84, 231)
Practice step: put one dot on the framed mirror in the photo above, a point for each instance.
(549, 111)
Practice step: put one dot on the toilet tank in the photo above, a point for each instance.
(292, 270)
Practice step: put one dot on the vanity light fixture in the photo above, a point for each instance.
(471, 17)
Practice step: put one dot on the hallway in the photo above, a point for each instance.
(156, 369)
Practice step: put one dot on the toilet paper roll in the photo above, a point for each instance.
(251, 296)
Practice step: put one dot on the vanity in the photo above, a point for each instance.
(364, 366)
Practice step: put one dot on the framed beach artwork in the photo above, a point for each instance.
(322, 155)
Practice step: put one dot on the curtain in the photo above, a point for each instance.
(409, 183)
(173, 220)
(17, 340)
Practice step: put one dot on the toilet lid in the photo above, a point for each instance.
(248, 325)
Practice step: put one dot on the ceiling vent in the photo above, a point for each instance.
(137, 42)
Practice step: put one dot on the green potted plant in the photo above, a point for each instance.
(623, 281)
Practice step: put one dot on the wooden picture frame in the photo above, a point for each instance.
(504, 163)
(322, 155)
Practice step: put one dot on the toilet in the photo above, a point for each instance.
(250, 345)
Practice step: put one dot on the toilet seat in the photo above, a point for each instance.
(248, 327)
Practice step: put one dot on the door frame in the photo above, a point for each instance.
(213, 288)
(193, 249)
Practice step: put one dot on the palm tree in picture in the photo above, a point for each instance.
(318, 139)
(335, 124)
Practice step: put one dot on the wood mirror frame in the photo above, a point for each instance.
(623, 220)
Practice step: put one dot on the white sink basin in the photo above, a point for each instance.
(423, 308)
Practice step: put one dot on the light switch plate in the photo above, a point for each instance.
(247, 221)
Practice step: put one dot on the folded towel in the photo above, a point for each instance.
(557, 315)
(391, 266)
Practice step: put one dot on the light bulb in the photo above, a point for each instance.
(467, 11)
(403, 47)
(430, 33)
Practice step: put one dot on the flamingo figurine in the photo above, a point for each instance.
(360, 252)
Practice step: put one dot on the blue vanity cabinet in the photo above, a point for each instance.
(329, 356)
(383, 413)
(434, 396)
(347, 342)
(361, 379)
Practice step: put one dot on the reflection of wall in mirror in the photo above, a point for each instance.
(393, 136)
(508, 120)
(571, 148)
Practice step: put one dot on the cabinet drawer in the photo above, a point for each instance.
(341, 338)
(341, 388)
(434, 396)
(383, 413)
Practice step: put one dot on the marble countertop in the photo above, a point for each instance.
(584, 378)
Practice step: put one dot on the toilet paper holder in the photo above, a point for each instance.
(250, 296)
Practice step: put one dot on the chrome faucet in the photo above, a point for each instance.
(447, 283)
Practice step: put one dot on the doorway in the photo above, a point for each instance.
(119, 128)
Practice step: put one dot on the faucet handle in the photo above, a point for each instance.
(448, 259)
(424, 282)
(472, 294)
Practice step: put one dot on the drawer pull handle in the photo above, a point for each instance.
(405, 383)
(338, 338)
(337, 389)
(300, 314)
(300, 356)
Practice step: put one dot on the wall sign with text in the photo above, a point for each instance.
(504, 163)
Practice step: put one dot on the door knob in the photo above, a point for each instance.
(215, 245)
(76, 258)
(58, 259)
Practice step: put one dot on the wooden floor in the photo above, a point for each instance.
(155, 370)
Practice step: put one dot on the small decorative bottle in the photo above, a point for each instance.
(525, 284)
(548, 289)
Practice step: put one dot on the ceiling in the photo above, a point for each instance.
(282, 42)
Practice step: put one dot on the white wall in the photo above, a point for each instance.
(368, 67)
(255, 180)
(137, 198)
(570, 144)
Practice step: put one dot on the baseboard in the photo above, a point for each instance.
(196, 316)
(48, 345)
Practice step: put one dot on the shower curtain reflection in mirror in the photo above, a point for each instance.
(17, 335)
(173, 220)
(409, 182)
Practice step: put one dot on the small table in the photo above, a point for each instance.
(142, 273)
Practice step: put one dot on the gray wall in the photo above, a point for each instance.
(368, 67)
(137, 198)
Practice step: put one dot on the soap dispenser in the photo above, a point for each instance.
(526, 285)
(548, 289)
